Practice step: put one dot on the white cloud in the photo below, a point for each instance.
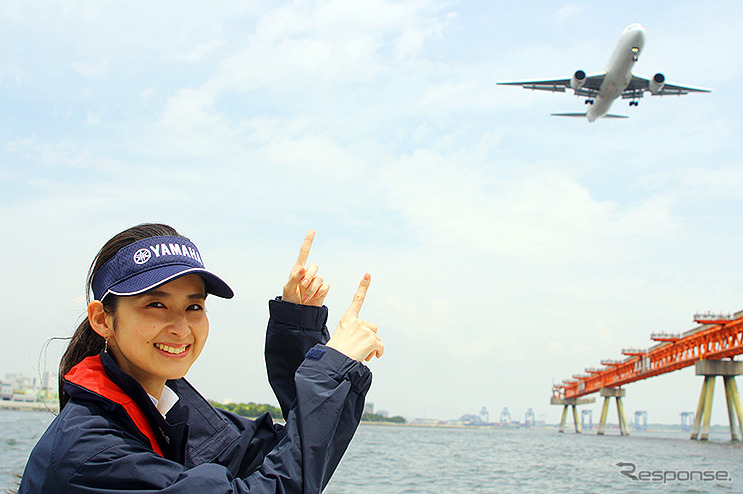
(93, 119)
(723, 181)
(93, 70)
(197, 54)
(540, 215)
(569, 13)
(12, 74)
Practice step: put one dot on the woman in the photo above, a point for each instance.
(130, 422)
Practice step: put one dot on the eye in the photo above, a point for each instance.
(195, 307)
(157, 305)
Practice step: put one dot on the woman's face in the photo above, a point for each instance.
(159, 334)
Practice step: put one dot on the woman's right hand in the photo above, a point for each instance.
(305, 287)
(354, 337)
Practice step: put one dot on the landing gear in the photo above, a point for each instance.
(589, 102)
(634, 103)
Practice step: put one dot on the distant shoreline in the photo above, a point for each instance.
(36, 406)
(40, 406)
(654, 428)
(442, 424)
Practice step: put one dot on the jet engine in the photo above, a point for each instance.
(578, 79)
(656, 83)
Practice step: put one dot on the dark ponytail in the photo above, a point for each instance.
(86, 342)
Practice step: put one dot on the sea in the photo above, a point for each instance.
(407, 459)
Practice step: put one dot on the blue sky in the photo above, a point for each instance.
(509, 249)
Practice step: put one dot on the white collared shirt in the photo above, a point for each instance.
(168, 398)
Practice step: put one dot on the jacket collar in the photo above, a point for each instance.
(194, 432)
(91, 375)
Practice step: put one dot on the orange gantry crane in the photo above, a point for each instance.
(719, 337)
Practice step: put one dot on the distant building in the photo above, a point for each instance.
(6, 390)
(24, 397)
(19, 392)
(470, 420)
(529, 420)
(423, 421)
(369, 408)
(49, 382)
(19, 382)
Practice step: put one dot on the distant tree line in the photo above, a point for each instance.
(373, 417)
(253, 410)
(250, 410)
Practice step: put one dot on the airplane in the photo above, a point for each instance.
(603, 88)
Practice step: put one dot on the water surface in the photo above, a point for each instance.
(420, 460)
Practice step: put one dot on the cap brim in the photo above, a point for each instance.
(153, 278)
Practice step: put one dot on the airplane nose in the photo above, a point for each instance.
(638, 34)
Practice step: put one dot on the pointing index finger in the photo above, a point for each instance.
(304, 251)
(360, 295)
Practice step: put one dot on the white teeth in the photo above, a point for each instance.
(170, 349)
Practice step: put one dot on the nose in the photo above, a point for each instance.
(179, 326)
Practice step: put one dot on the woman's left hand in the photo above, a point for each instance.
(305, 287)
(354, 337)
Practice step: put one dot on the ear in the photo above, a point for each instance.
(100, 321)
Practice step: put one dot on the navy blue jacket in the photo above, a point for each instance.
(95, 446)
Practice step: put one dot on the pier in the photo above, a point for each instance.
(40, 406)
(711, 347)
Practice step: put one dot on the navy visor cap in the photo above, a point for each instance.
(152, 262)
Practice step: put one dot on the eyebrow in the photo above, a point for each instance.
(163, 294)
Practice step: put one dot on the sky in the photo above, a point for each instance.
(508, 249)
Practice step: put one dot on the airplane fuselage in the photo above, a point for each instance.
(618, 71)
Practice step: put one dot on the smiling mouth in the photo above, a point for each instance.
(171, 350)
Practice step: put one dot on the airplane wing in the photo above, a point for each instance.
(589, 88)
(657, 87)
(554, 85)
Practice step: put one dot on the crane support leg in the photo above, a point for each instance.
(623, 429)
(733, 406)
(710, 380)
(608, 394)
(604, 413)
(564, 416)
(736, 402)
(700, 410)
(710, 369)
(567, 402)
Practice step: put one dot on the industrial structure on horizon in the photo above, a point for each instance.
(719, 337)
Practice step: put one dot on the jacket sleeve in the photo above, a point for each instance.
(331, 389)
(292, 330)
(328, 411)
